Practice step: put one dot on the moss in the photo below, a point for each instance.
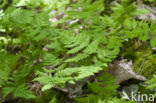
(143, 57)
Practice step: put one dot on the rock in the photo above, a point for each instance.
(123, 71)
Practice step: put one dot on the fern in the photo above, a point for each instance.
(103, 91)
(152, 83)
(77, 49)
(153, 34)
(125, 10)
(89, 9)
(20, 48)
(19, 91)
(10, 83)
(63, 76)
(32, 49)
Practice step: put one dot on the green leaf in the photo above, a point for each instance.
(22, 91)
(153, 42)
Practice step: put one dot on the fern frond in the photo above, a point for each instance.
(19, 91)
(66, 75)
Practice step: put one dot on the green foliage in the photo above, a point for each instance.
(125, 10)
(152, 83)
(66, 75)
(12, 83)
(104, 91)
(144, 58)
(51, 96)
(19, 91)
(33, 50)
(20, 48)
(153, 34)
(117, 100)
(89, 10)
(104, 87)
(79, 55)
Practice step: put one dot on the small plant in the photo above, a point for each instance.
(60, 42)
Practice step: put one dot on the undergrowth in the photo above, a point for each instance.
(33, 49)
